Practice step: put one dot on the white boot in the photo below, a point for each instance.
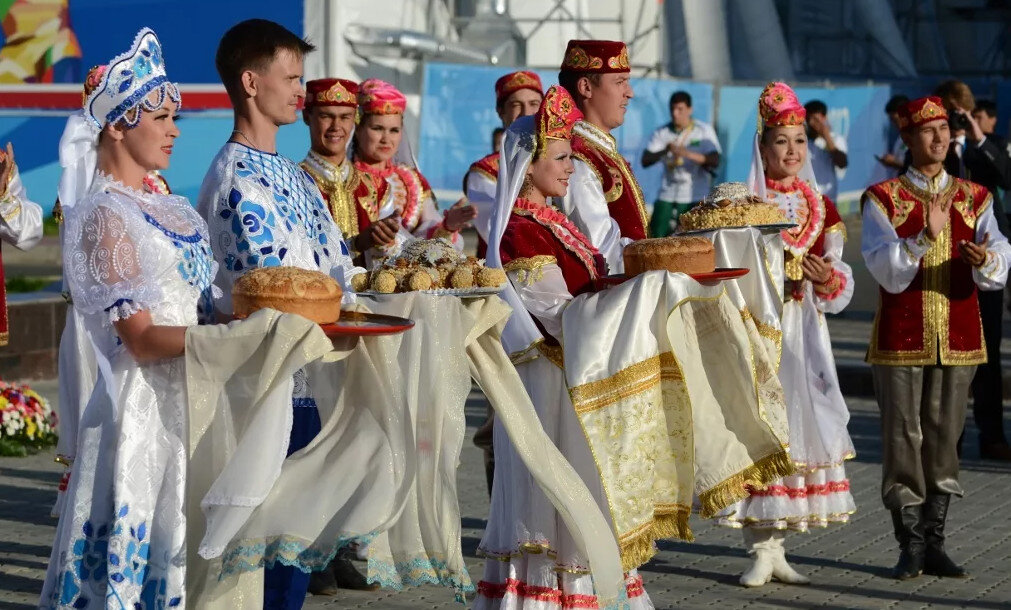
(781, 570)
(762, 549)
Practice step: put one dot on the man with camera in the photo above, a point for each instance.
(974, 155)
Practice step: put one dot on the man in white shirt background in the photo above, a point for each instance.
(895, 159)
(691, 154)
(827, 150)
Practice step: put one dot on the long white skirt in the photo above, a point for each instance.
(819, 493)
(531, 560)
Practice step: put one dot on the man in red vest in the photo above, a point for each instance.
(604, 198)
(931, 241)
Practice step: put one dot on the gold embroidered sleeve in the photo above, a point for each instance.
(528, 270)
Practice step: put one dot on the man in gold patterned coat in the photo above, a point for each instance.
(931, 241)
(330, 108)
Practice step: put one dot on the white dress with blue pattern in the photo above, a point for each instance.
(121, 537)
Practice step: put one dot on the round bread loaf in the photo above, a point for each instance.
(676, 254)
(310, 294)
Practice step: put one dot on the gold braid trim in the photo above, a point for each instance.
(639, 546)
(554, 353)
(765, 470)
(839, 227)
(524, 355)
(4, 338)
(529, 269)
(629, 381)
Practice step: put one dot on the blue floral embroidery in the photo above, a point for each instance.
(196, 266)
(96, 560)
(297, 207)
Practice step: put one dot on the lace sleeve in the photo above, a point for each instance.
(106, 268)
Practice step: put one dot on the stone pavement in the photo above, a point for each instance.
(848, 564)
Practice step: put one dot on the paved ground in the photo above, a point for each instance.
(847, 564)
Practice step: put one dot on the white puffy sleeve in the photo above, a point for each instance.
(834, 295)
(992, 274)
(892, 260)
(106, 265)
(20, 218)
(586, 207)
(480, 191)
(541, 286)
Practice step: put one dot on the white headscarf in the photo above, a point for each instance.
(517, 153)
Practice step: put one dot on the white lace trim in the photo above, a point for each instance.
(124, 310)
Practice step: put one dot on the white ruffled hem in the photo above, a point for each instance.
(536, 582)
(797, 503)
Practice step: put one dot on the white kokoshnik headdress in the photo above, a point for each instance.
(125, 85)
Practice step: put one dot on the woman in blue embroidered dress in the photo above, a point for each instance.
(138, 267)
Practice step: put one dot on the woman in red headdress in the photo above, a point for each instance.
(533, 559)
(816, 282)
(380, 151)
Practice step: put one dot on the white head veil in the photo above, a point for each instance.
(517, 153)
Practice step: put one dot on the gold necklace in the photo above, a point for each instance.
(247, 138)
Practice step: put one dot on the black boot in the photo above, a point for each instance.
(348, 576)
(936, 561)
(323, 583)
(908, 523)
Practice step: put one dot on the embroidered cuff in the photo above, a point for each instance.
(832, 288)
(916, 247)
(990, 265)
(530, 270)
(10, 207)
(123, 309)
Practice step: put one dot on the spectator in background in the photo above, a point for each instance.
(828, 149)
(895, 159)
(496, 139)
(974, 155)
(691, 153)
(985, 115)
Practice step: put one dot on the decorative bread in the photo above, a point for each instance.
(728, 205)
(426, 264)
(677, 254)
(310, 294)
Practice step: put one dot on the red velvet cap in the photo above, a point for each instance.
(920, 111)
(331, 92)
(599, 56)
(514, 81)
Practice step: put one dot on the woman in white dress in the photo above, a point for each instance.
(532, 560)
(817, 282)
(139, 267)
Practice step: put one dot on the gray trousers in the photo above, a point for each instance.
(922, 415)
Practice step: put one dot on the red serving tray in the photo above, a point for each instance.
(711, 277)
(362, 324)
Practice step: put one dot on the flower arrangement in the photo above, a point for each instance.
(27, 422)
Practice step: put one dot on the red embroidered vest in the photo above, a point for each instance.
(621, 190)
(487, 166)
(937, 316)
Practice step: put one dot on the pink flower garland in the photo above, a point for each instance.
(800, 239)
